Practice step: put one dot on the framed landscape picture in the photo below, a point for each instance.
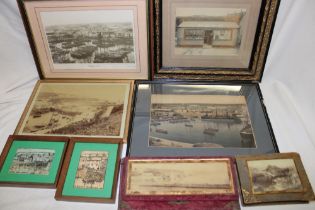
(88, 39)
(273, 178)
(32, 161)
(210, 39)
(188, 183)
(90, 170)
(204, 119)
(82, 108)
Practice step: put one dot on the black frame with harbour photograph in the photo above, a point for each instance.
(273, 178)
(199, 118)
(88, 39)
(211, 40)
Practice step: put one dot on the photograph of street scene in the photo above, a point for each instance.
(80, 109)
(186, 121)
(91, 170)
(32, 161)
(90, 38)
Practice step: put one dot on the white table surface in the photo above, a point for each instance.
(288, 88)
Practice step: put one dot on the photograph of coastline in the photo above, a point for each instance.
(209, 31)
(32, 161)
(91, 170)
(90, 39)
(190, 121)
(279, 175)
(77, 109)
(174, 177)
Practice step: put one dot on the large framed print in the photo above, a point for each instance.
(273, 178)
(178, 183)
(90, 170)
(32, 161)
(211, 39)
(85, 108)
(203, 119)
(88, 39)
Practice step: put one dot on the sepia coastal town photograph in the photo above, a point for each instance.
(90, 39)
(77, 109)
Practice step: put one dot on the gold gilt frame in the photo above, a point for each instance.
(253, 72)
(303, 193)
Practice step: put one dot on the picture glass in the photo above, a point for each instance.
(32, 162)
(90, 39)
(179, 177)
(77, 109)
(91, 170)
(278, 175)
(191, 121)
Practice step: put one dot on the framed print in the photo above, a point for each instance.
(82, 108)
(88, 39)
(32, 161)
(90, 170)
(203, 119)
(211, 39)
(188, 183)
(273, 178)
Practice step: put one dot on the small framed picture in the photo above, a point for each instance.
(32, 161)
(188, 183)
(210, 39)
(199, 119)
(88, 39)
(273, 178)
(90, 170)
(82, 108)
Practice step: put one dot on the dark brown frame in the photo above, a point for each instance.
(249, 198)
(65, 167)
(266, 22)
(6, 150)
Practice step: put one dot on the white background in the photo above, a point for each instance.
(288, 87)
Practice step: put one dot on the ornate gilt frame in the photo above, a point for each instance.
(261, 45)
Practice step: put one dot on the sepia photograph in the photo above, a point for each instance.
(91, 170)
(179, 177)
(90, 39)
(77, 109)
(32, 161)
(274, 176)
(209, 31)
(190, 121)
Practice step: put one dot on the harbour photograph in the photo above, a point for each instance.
(187, 121)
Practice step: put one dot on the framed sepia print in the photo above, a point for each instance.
(203, 119)
(273, 178)
(211, 39)
(32, 161)
(88, 39)
(188, 183)
(90, 170)
(82, 108)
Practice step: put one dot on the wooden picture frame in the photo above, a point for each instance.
(273, 178)
(32, 161)
(104, 39)
(183, 118)
(187, 182)
(72, 184)
(76, 108)
(208, 54)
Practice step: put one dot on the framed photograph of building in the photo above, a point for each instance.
(207, 39)
(82, 108)
(32, 161)
(203, 119)
(273, 178)
(88, 39)
(191, 183)
(90, 170)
